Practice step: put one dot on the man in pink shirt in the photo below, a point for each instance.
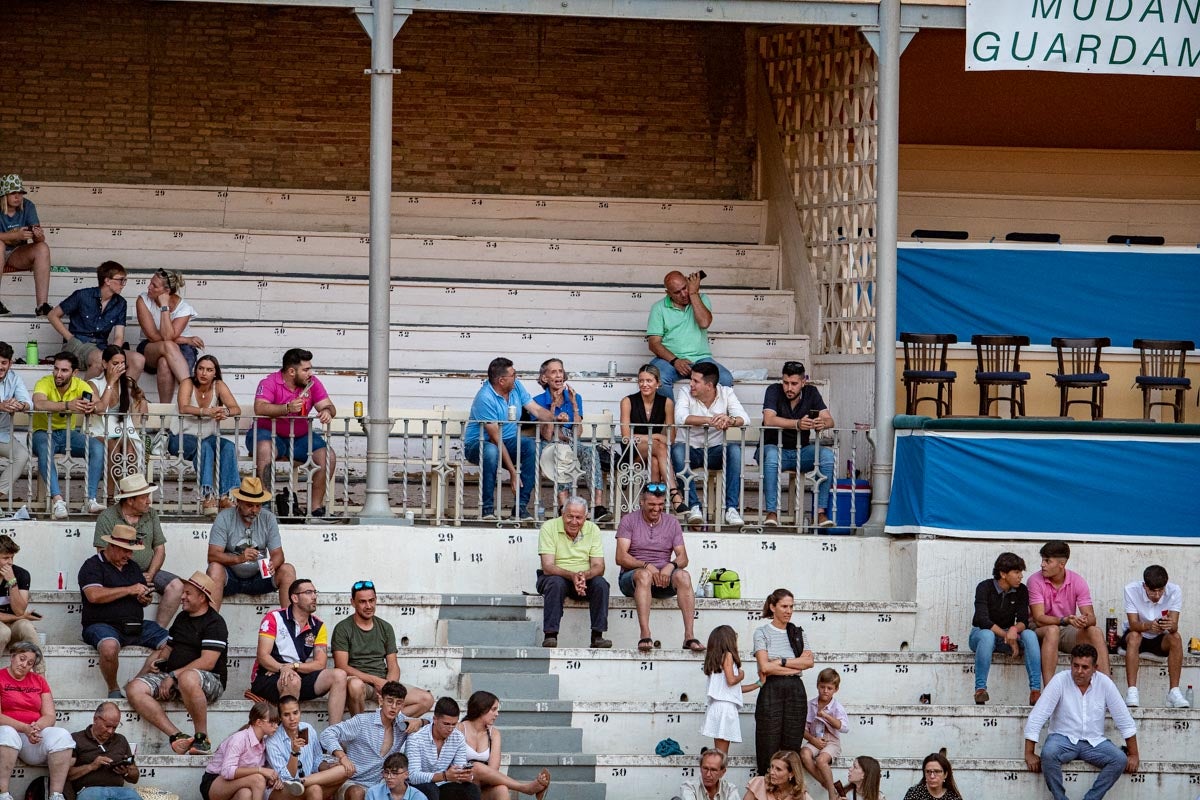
(282, 429)
(1060, 606)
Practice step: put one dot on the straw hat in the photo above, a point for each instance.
(203, 583)
(124, 536)
(251, 491)
(132, 485)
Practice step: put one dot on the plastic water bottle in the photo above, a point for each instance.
(1190, 696)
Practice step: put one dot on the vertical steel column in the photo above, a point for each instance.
(887, 185)
(382, 30)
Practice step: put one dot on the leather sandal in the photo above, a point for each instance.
(694, 646)
(645, 645)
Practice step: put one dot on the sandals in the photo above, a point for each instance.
(693, 645)
(678, 506)
(645, 645)
(180, 738)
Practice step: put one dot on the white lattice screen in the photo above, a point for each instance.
(824, 81)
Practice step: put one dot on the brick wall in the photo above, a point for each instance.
(131, 91)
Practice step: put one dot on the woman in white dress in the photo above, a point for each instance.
(120, 410)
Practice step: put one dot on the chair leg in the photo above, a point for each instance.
(983, 400)
(1146, 403)
(1098, 402)
(1019, 391)
(1178, 405)
(949, 399)
(1062, 401)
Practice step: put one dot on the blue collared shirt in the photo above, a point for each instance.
(489, 406)
(11, 388)
(279, 752)
(361, 739)
(88, 322)
(424, 760)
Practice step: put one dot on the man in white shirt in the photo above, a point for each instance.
(14, 398)
(1075, 704)
(1152, 609)
(703, 412)
(712, 784)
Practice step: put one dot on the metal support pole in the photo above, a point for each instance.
(382, 31)
(887, 185)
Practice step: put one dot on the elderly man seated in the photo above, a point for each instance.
(653, 561)
(572, 566)
(712, 784)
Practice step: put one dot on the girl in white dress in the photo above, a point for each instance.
(723, 667)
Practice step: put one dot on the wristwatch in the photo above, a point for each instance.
(783, 662)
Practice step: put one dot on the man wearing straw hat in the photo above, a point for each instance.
(190, 666)
(133, 509)
(115, 595)
(245, 552)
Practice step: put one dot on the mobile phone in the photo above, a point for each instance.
(303, 734)
(33, 614)
(703, 274)
(124, 762)
(161, 665)
(841, 791)
(813, 413)
(87, 396)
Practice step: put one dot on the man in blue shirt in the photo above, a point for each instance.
(503, 398)
(14, 398)
(96, 313)
(25, 248)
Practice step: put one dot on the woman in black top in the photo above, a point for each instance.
(644, 419)
(937, 780)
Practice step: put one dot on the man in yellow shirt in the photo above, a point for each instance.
(57, 399)
(572, 566)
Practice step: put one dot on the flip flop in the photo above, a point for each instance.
(694, 646)
(645, 645)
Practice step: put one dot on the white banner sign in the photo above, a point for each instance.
(1130, 37)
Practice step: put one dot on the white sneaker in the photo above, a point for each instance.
(56, 796)
(1175, 699)
(1131, 697)
(695, 516)
(59, 512)
(92, 507)
(732, 517)
(5, 796)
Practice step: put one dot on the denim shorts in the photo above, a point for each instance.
(255, 584)
(285, 446)
(625, 583)
(153, 635)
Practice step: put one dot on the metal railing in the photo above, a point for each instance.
(437, 475)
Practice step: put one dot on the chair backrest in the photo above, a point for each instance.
(1079, 356)
(926, 351)
(1163, 358)
(998, 352)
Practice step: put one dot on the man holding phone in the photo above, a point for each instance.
(677, 331)
(796, 408)
(25, 248)
(60, 401)
(103, 761)
(115, 596)
(1152, 608)
(16, 617)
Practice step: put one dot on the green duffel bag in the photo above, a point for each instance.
(726, 584)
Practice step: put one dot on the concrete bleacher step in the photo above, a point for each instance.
(464, 620)
(419, 212)
(439, 257)
(273, 296)
(441, 347)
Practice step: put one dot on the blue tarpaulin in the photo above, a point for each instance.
(1124, 293)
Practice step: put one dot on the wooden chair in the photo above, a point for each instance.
(998, 363)
(925, 363)
(1079, 368)
(1163, 364)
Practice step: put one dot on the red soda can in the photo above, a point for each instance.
(945, 644)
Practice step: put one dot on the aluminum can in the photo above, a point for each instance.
(945, 644)
(612, 369)
(512, 413)
(358, 408)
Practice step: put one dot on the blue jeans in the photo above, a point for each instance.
(108, 793)
(668, 375)
(207, 448)
(1058, 750)
(985, 642)
(491, 463)
(46, 445)
(769, 458)
(697, 456)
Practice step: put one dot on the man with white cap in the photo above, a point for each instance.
(115, 594)
(133, 508)
(241, 539)
(25, 247)
(189, 666)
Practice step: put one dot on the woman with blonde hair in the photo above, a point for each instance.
(168, 343)
(784, 780)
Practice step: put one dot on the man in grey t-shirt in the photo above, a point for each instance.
(245, 552)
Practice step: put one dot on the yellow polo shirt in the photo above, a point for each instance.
(573, 556)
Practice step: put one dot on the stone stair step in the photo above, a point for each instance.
(465, 632)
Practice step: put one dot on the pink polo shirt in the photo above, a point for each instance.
(274, 389)
(1061, 602)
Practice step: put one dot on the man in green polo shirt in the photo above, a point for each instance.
(572, 566)
(677, 331)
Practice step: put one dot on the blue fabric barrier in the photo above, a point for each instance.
(1038, 485)
(1123, 293)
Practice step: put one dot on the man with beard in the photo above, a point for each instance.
(61, 399)
(282, 404)
(25, 248)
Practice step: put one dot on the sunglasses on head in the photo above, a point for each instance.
(656, 488)
(362, 585)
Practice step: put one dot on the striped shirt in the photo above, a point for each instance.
(361, 739)
(424, 760)
(775, 642)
